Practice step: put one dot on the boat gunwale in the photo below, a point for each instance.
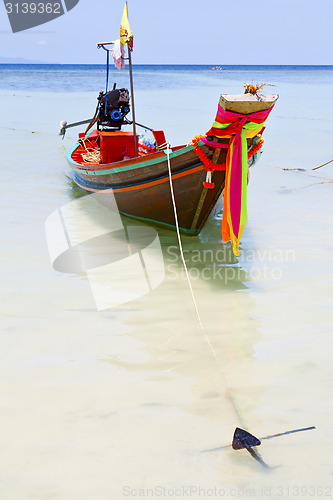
(107, 168)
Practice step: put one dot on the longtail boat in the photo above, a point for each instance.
(109, 158)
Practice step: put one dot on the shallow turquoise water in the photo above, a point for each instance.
(104, 404)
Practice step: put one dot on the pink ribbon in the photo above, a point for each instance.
(213, 144)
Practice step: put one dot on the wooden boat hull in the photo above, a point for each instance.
(141, 186)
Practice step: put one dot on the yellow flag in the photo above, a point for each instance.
(125, 30)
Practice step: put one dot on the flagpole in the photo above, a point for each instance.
(132, 96)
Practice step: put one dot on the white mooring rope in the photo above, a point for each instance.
(192, 293)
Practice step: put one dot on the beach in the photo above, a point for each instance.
(130, 401)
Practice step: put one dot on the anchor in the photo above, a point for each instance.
(243, 439)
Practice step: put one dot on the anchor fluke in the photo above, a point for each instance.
(243, 439)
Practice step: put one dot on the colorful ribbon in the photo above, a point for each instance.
(238, 128)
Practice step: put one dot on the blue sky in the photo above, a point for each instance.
(183, 32)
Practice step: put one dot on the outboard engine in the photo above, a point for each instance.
(113, 108)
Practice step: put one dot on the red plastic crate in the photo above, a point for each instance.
(115, 145)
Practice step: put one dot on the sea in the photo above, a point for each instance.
(124, 378)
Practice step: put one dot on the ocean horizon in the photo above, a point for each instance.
(90, 77)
